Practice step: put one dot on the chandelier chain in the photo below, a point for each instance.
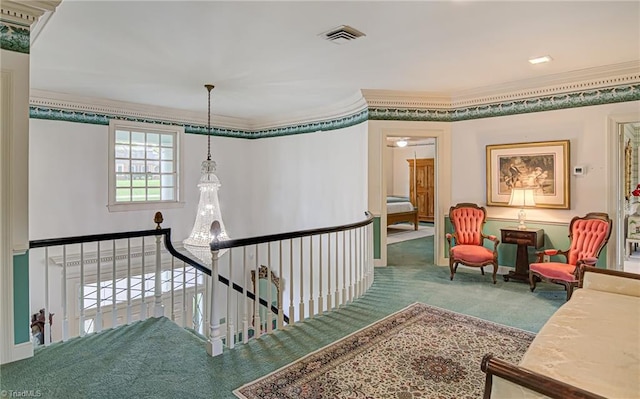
(209, 88)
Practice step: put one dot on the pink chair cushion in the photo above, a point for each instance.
(467, 223)
(554, 270)
(588, 236)
(472, 253)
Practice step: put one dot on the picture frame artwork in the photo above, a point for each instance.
(541, 166)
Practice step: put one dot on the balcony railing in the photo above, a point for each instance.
(237, 291)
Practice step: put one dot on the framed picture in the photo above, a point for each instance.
(542, 166)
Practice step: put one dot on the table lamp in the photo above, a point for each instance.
(522, 197)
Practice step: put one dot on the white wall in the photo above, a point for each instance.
(586, 127)
(400, 166)
(268, 186)
(310, 180)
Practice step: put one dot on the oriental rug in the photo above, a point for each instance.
(419, 352)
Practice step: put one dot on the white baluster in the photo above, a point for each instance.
(357, 265)
(184, 295)
(114, 310)
(320, 292)
(301, 280)
(47, 324)
(269, 320)
(257, 323)
(245, 298)
(312, 306)
(336, 294)
(214, 345)
(65, 308)
(195, 316)
(173, 289)
(350, 298)
(230, 323)
(98, 319)
(280, 288)
(143, 304)
(129, 307)
(81, 331)
(344, 267)
(292, 315)
(159, 307)
(329, 288)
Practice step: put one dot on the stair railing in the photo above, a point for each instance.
(100, 281)
(308, 272)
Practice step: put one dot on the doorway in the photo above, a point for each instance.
(621, 129)
(378, 158)
(410, 188)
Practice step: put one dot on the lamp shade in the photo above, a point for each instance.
(522, 197)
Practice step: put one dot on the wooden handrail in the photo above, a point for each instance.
(218, 245)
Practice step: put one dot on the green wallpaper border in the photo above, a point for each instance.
(585, 98)
(15, 38)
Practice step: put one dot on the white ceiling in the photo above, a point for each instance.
(268, 62)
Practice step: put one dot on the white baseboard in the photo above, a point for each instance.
(19, 352)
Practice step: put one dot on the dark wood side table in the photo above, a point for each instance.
(523, 239)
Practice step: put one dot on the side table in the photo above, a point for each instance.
(523, 239)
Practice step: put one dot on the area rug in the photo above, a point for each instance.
(418, 352)
(405, 231)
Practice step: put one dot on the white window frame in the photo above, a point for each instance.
(114, 206)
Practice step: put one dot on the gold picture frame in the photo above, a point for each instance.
(543, 166)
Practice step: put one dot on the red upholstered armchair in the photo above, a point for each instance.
(587, 236)
(465, 244)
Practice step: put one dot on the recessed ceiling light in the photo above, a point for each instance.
(401, 143)
(540, 60)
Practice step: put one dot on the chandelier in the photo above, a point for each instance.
(208, 207)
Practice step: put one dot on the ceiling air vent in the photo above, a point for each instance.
(342, 34)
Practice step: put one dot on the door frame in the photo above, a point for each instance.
(378, 159)
(615, 199)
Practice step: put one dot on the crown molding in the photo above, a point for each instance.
(352, 105)
(402, 99)
(575, 81)
(72, 108)
(627, 73)
(595, 86)
(121, 109)
(25, 13)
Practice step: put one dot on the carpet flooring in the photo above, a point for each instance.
(418, 352)
(405, 231)
(158, 359)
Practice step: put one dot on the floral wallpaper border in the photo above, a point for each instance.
(50, 113)
(14, 38)
(584, 98)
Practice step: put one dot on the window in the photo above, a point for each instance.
(144, 166)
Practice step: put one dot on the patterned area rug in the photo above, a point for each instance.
(418, 352)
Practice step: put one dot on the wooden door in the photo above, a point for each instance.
(421, 187)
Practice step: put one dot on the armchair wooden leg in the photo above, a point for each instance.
(482, 270)
(451, 268)
(495, 271)
(569, 288)
(532, 281)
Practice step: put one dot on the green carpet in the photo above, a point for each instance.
(158, 359)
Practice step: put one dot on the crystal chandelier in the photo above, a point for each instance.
(208, 207)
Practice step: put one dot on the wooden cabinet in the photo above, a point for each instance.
(422, 187)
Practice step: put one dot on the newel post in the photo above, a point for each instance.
(158, 309)
(214, 345)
